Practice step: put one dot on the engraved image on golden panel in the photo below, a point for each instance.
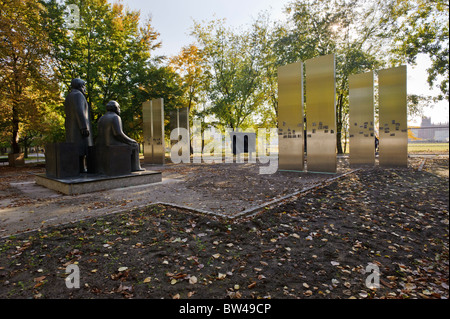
(361, 119)
(393, 117)
(321, 114)
(290, 117)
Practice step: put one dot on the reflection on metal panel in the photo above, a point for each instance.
(179, 118)
(321, 114)
(361, 119)
(393, 117)
(173, 120)
(147, 131)
(183, 118)
(158, 131)
(290, 117)
(153, 131)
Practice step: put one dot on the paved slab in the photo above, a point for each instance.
(227, 190)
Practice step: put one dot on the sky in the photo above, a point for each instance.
(174, 18)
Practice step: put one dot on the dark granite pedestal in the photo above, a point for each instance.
(87, 183)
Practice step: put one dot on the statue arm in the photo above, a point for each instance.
(80, 114)
(118, 132)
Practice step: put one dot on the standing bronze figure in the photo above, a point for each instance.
(77, 124)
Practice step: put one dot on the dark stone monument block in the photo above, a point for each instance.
(243, 142)
(113, 160)
(61, 160)
(91, 160)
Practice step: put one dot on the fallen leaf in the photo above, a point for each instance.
(124, 288)
(179, 276)
(39, 279)
(410, 286)
(334, 263)
(193, 280)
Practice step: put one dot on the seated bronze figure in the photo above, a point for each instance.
(111, 136)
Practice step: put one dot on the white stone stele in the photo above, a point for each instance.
(94, 183)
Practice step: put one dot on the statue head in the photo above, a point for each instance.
(113, 106)
(78, 84)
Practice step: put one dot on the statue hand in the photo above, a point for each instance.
(84, 132)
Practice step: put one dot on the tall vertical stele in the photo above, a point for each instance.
(153, 131)
(321, 114)
(361, 119)
(179, 118)
(290, 117)
(393, 128)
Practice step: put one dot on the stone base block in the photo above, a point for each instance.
(87, 183)
(62, 160)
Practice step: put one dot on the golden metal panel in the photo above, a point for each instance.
(153, 131)
(290, 117)
(361, 119)
(179, 118)
(183, 118)
(321, 114)
(147, 131)
(158, 131)
(393, 128)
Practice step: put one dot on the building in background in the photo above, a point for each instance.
(428, 132)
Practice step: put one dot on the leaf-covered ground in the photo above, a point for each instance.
(317, 245)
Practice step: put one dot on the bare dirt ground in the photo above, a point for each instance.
(316, 244)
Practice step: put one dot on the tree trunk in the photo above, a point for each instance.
(339, 125)
(15, 132)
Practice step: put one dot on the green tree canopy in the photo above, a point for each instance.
(28, 89)
(233, 79)
(421, 27)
